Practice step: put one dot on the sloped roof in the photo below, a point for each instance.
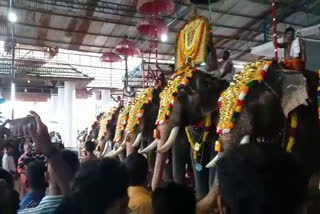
(42, 70)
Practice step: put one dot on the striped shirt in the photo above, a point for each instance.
(46, 206)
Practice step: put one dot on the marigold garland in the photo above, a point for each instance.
(122, 122)
(197, 146)
(104, 122)
(192, 41)
(137, 109)
(292, 134)
(231, 100)
(318, 96)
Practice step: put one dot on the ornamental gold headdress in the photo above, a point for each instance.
(138, 106)
(191, 50)
(122, 122)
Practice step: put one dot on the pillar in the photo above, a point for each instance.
(59, 111)
(69, 132)
(54, 106)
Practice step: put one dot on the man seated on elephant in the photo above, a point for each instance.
(260, 179)
(139, 197)
(293, 50)
(226, 67)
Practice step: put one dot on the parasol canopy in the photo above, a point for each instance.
(110, 57)
(155, 7)
(152, 28)
(127, 48)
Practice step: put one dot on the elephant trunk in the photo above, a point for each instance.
(116, 153)
(160, 157)
(130, 141)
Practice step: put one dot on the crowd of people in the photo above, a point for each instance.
(253, 179)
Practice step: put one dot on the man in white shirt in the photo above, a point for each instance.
(293, 50)
(226, 67)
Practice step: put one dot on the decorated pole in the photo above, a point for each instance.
(274, 29)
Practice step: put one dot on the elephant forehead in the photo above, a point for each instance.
(294, 92)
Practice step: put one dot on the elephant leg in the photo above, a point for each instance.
(180, 157)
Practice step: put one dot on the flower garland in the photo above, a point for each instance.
(192, 41)
(104, 122)
(169, 94)
(197, 146)
(318, 96)
(122, 122)
(137, 110)
(292, 134)
(231, 100)
(190, 46)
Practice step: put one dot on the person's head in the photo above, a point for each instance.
(69, 158)
(137, 166)
(6, 177)
(10, 147)
(89, 146)
(260, 178)
(289, 34)
(171, 198)
(35, 175)
(27, 147)
(225, 55)
(118, 98)
(104, 182)
(9, 202)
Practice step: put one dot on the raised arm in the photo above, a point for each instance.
(43, 144)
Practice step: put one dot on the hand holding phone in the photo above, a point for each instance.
(19, 127)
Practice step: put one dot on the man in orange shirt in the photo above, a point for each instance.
(139, 197)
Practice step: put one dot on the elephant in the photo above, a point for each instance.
(193, 104)
(267, 113)
(93, 133)
(107, 133)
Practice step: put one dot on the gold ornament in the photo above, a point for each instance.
(136, 113)
(122, 122)
(104, 122)
(236, 93)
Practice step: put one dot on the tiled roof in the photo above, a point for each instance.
(41, 69)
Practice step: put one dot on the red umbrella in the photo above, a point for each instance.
(127, 48)
(110, 57)
(152, 28)
(155, 7)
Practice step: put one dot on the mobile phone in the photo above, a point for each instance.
(17, 126)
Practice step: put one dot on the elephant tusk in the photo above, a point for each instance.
(150, 147)
(171, 140)
(123, 144)
(115, 153)
(137, 141)
(214, 161)
(245, 140)
(106, 145)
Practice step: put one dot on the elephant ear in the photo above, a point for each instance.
(294, 92)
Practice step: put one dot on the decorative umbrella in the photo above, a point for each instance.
(127, 48)
(110, 57)
(155, 7)
(152, 28)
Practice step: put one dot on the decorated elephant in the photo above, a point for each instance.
(94, 130)
(119, 134)
(273, 104)
(107, 129)
(188, 99)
